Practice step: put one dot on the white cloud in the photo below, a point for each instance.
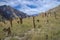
(41, 5)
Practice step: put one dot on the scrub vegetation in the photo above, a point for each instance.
(45, 26)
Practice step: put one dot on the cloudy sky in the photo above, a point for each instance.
(31, 6)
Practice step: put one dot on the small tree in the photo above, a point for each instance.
(38, 20)
(55, 15)
(21, 20)
(46, 37)
(47, 21)
(11, 21)
(18, 22)
(9, 31)
(45, 14)
(34, 22)
(50, 13)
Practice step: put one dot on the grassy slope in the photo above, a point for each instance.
(51, 28)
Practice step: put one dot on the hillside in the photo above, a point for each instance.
(8, 12)
(47, 27)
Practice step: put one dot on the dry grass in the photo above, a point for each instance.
(50, 28)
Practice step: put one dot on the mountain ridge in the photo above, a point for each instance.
(9, 12)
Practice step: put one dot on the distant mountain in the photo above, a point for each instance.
(8, 12)
(33, 15)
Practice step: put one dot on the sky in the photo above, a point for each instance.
(31, 7)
